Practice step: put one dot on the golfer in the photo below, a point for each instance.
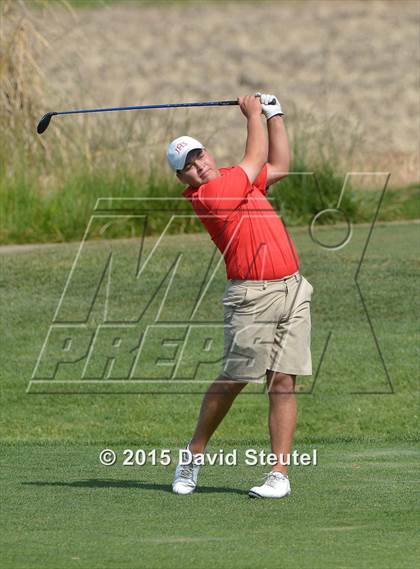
(266, 301)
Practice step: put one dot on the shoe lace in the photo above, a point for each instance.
(186, 471)
(272, 477)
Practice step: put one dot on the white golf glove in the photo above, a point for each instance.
(267, 109)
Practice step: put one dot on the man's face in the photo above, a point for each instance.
(199, 168)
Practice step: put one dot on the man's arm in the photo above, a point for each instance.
(256, 149)
(278, 150)
(278, 144)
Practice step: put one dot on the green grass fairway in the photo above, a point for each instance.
(351, 398)
(359, 508)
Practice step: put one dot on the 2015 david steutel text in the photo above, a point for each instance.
(249, 457)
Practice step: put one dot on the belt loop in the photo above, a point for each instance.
(264, 285)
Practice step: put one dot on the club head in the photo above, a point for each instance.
(44, 122)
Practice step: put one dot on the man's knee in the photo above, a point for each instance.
(279, 382)
(224, 385)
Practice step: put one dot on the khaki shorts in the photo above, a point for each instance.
(267, 326)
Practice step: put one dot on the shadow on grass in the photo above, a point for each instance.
(107, 483)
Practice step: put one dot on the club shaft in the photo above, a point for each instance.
(142, 107)
(45, 120)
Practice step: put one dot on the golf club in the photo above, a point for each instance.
(45, 121)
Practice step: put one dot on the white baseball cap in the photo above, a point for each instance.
(178, 149)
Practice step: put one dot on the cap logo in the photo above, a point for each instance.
(180, 146)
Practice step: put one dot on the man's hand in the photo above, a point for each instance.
(250, 105)
(256, 148)
(269, 110)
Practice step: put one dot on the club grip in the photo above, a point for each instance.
(272, 102)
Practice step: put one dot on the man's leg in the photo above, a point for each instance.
(216, 403)
(282, 414)
(281, 422)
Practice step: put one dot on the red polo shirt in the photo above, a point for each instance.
(244, 226)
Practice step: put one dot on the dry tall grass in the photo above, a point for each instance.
(336, 66)
(21, 78)
(52, 58)
(71, 145)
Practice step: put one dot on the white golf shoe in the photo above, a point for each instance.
(276, 485)
(185, 479)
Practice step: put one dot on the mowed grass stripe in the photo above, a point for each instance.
(61, 508)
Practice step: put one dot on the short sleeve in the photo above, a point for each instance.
(225, 193)
(260, 181)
